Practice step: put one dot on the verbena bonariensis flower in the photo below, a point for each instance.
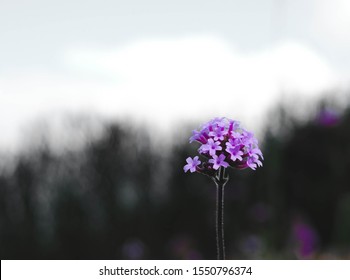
(224, 143)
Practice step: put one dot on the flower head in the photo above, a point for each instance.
(224, 143)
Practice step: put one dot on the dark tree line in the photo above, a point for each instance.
(122, 198)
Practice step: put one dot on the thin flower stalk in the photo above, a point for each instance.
(223, 143)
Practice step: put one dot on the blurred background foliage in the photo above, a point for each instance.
(121, 197)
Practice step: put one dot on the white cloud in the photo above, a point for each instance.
(184, 78)
(163, 81)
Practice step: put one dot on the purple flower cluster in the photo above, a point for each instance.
(224, 143)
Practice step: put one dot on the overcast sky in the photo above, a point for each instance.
(165, 61)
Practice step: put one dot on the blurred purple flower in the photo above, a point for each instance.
(133, 249)
(182, 247)
(306, 238)
(251, 245)
(328, 117)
